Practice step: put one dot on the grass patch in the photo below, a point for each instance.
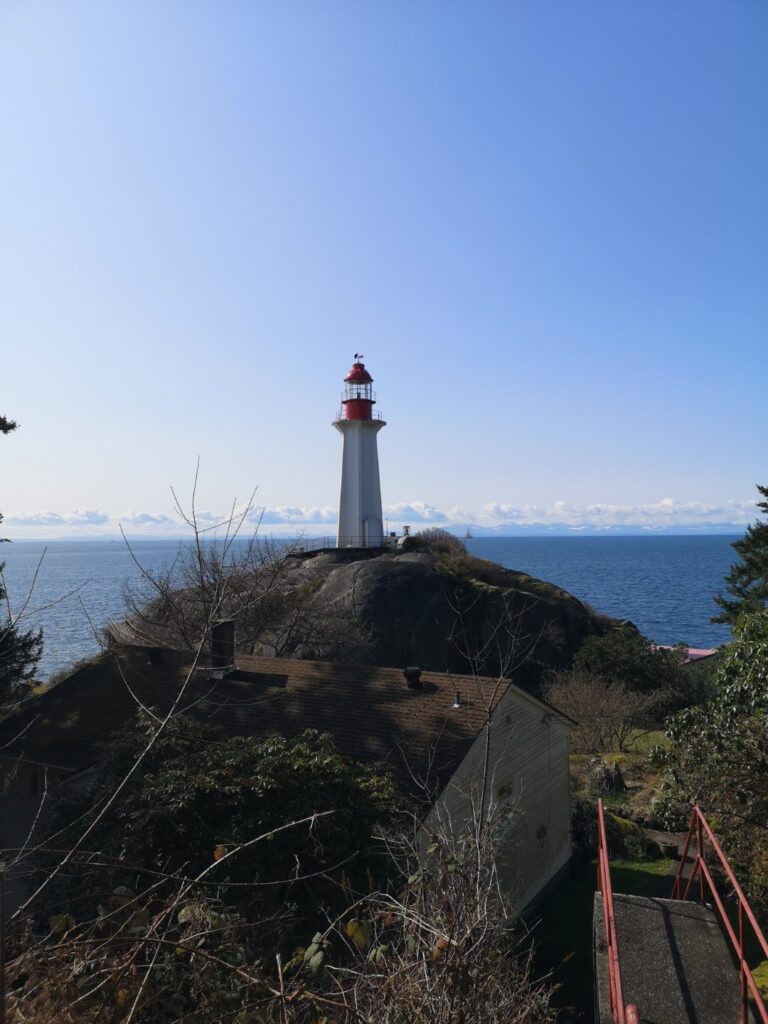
(644, 742)
(642, 877)
(760, 974)
(562, 926)
(614, 801)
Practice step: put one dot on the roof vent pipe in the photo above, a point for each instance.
(413, 677)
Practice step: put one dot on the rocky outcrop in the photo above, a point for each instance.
(441, 611)
(431, 604)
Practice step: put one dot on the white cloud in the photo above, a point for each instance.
(77, 517)
(206, 517)
(287, 514)
(663, 513)
(86, 517)
(292, 519)
(25, 519)
(496, 513)
(146, 519)
(415, 512)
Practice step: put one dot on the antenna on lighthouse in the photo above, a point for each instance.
(360, 511)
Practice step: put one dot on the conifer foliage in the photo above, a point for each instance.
(747, 580)
(19, 652)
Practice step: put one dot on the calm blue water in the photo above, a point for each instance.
(75, 581)
(663, 584)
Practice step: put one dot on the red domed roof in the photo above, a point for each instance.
(358, 375)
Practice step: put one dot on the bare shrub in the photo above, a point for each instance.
(276, 609)
(439, 542)
(607, 713)
(444, 947)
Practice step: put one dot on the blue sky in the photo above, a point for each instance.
(544, 223)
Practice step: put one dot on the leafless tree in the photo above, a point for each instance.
(258, 582)
(607, 713)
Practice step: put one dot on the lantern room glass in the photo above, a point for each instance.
(355, 390)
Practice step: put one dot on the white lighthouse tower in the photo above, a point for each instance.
(360, 520)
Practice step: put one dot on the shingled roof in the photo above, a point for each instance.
(370, 712)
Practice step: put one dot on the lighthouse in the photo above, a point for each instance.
(360, 519)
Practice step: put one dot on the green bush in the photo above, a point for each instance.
(199, 794)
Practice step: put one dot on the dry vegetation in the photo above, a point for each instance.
(438, 947)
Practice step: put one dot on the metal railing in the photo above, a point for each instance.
(340, 416)
(621, 1013)
(306, 544)
(701, 830)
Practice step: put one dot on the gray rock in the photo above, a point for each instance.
(459, 614)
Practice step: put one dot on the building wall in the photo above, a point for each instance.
(528, 772)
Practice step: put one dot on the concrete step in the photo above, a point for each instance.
(676, 962)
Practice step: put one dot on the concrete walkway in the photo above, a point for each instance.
(676, 963)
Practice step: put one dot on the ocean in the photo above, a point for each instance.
(664, 585)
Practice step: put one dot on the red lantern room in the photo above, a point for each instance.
(358, 399)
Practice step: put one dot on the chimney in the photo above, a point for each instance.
(222, 648)
(413, 677)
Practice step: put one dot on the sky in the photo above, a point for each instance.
(545, 225)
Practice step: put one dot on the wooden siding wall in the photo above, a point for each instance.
(528, 769)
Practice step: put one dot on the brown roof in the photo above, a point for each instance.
(370, 712)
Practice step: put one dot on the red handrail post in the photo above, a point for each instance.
(679, 876)
(743, 968)
(700, 854)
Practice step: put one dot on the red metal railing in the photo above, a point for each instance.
(700, 828)
(621, 1014)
